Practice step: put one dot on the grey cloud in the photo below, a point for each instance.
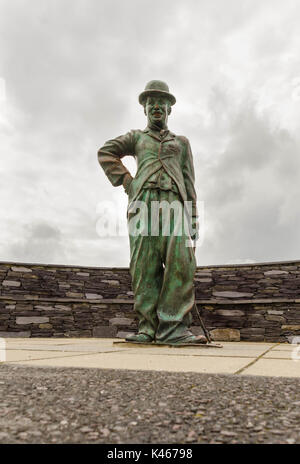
(73, 72)
(40, 242)
(249, 192)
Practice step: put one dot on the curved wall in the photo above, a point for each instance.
(258, 302)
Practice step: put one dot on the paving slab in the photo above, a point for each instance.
(274, 368)
(60, 341)
(32, 355)
(233, 358)
(237, 351)
(145, 362)
(92, 348)
(285, 347)
(284, 354)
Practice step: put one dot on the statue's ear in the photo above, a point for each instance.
(145, 110)
(169, 109)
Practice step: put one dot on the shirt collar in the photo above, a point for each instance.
(157, 135)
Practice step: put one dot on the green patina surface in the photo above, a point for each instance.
(162, 266)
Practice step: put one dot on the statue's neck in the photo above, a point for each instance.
(157, 127)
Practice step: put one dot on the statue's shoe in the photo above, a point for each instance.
(199, 339)
(190, 340)
(139, 338)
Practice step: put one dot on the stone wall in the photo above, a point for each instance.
(258, 302)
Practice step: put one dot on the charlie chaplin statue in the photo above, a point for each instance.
(162, 266)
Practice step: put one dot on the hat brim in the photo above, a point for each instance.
(155, 93)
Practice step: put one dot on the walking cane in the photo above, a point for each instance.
(206, 332)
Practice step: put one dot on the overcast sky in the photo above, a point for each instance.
(71, 72)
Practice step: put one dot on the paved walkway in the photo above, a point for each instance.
(242, 358)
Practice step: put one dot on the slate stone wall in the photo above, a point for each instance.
(258, 302)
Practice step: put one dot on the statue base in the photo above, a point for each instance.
(177, 345)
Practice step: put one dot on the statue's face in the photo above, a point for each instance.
(157, 110)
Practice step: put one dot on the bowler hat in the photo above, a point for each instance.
(155, 88)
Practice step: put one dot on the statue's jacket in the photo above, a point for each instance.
(152, 152)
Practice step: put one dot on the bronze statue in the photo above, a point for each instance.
(162, 266)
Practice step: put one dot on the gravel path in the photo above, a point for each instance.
(64, 405)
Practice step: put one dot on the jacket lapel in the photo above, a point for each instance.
(152, 134)
(169, 137)
(155, 135)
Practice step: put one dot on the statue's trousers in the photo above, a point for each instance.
(162, 268)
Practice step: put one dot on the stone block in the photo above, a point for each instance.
(93, 296)
(22, 334)
(11, 283)
(79, 333)
(229, 294)
(275, 272)
(252, 331)
(24, 307)
(74, 295)
(20, 269)
(230, 312)
(253, 338)
(120, 321)
(226, 335)
(255, 317)
(111, 282)
(32, 320)
(123, 334)
(290, 327)
(275, 318)
(43, 308)
(105, 331)
(97, 306)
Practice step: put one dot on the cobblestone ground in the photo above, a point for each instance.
(59, 405)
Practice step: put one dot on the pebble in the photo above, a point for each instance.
(191, 436)
(86, 429)
(227, 433)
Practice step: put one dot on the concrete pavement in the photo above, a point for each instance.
(238, 358)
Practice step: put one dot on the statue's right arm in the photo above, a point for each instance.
(109, 157)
